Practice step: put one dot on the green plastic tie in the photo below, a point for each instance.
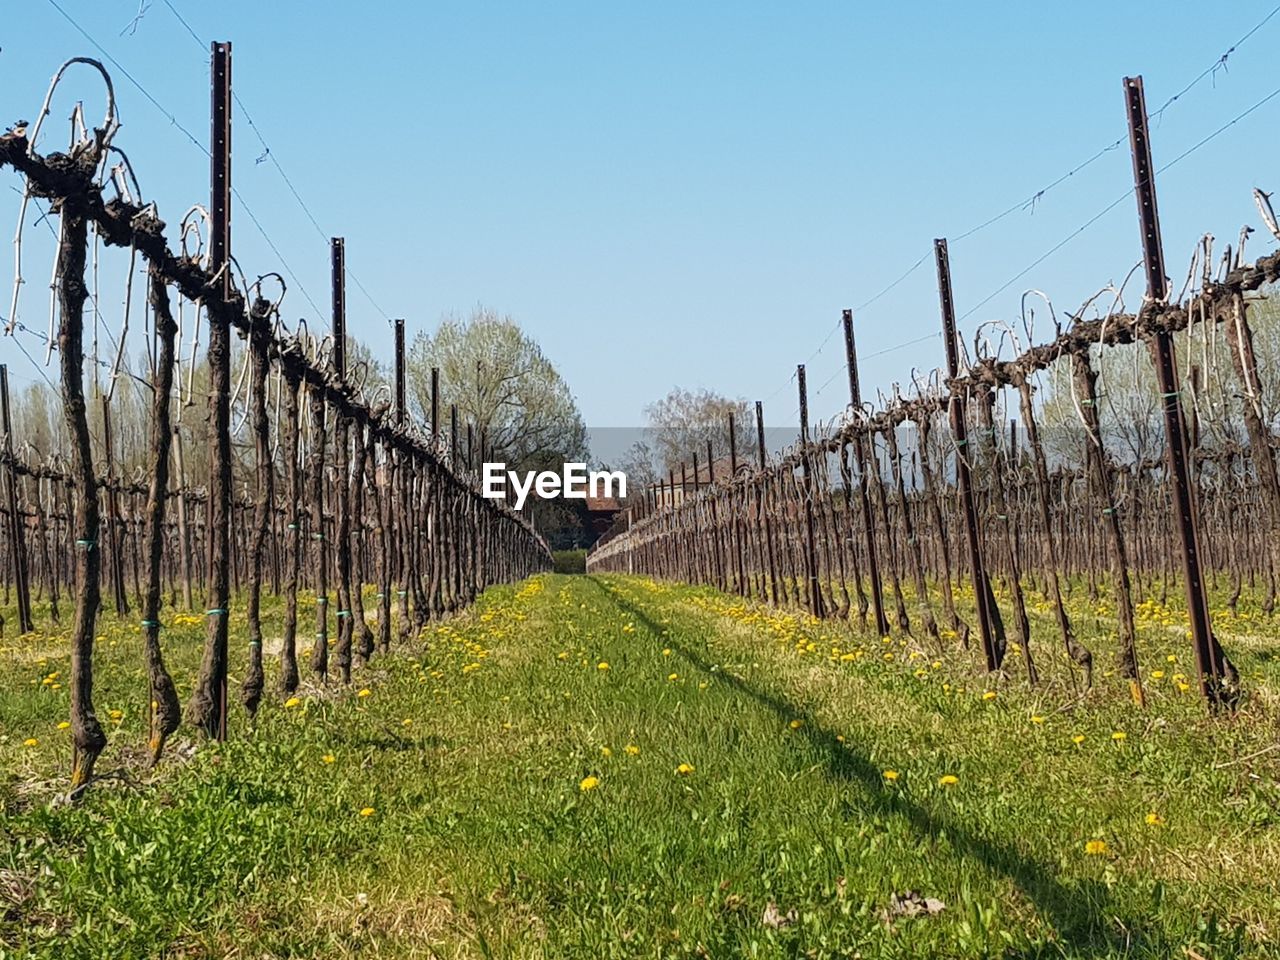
(151, 623)
(216, 612)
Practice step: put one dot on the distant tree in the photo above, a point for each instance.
(503, 385)
(683, 421)
(640, 466)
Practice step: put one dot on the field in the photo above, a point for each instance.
(612, 767)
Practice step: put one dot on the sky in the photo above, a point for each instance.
(670, 194)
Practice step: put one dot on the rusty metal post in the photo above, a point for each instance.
(435, 407)
(214, 720)
(764, 505)
(1217, 680)
(399, 327)
(991, 645)
(817, 606)
(733, 449)
(864, 469)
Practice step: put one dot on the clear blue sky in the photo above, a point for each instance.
(671, 194)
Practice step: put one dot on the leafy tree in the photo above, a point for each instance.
(503, 385)
(683, 421)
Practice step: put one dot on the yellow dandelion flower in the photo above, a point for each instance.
(589, 783)
(606, 752)
(1095, 848)
(632, 750)
(796, 724)
(684, 769)
(327, 758)
(562, 655)
(115, 714)
(64, 725)
(989, 695)
(1157, 674)
(672, 677)
(1037, 719)
(292, 702)
(368, 812)
(1154, 819)
(948, 780)
(1119, 735)
(407, 722)
(31, 742)
(602, 665)
(1078, 739)
(891, 775)
(666, 652)
(365, 692)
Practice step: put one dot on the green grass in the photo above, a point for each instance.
(570, 561)
(472, 749)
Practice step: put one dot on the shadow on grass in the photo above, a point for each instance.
(1082, 914)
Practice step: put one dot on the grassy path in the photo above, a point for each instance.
(607, 767)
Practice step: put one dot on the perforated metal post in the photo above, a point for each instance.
(1209, 658)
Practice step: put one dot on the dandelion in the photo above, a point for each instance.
(666, 652)
(115, 714)
(1171, 658)
(589, 783)
(989, 695)
(1119, 735)
(796, 724)
(891, 775)
(606, 752)
(632, 750)
(948, 780)
(602, 665)
(327, 758)
(1154, 819)
(364, 693)
(562, 655)
(1095, 848)
(31, 742)
(1037, 719)
(1078, 739)
(703, 685)
(673, 677)
(65, 724)
(1157, 674)
(368, 812)
(292, 702)
(684, 769)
